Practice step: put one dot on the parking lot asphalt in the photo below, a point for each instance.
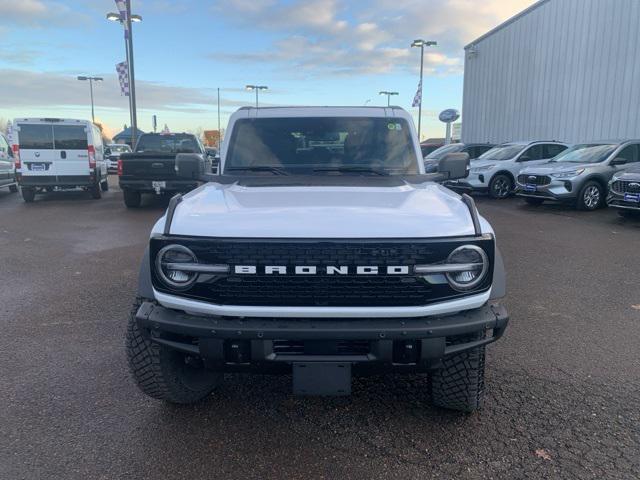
(563, 389)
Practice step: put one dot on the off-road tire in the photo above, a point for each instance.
(534, 201)
(13, 188)
(132, 199)
(28, 194)
(95, 191)
(459, 384)
(583, 202)
(495, 190)
(105, 185)
(163, 373)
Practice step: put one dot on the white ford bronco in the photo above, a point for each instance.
(322, 250)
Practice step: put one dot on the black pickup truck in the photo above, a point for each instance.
(151, 167)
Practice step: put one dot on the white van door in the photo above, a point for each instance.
(71, 148)
(37, 154)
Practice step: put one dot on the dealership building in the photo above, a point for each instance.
(564, 70)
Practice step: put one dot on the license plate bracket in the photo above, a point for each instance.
(322, 378)
(632, 197)
(38, 167)
(530, 188)
(158, 186)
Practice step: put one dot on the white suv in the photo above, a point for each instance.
(496, 171)
(55, 153)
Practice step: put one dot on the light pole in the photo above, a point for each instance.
(128, 43)
(257, 88)
(91, 80)
(219, 132)
(422, 43)
(388, 94)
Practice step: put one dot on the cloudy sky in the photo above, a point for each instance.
(309, 52)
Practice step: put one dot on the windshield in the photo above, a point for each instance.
(502, 152)
(119, 148)
(174, 143)
(586, 153)
(442, 151)
(330, 146)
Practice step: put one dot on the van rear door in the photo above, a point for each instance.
(71, 149)
(37, 153)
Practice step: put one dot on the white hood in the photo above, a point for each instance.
(401, 211)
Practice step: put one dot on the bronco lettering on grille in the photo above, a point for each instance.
(328, 270)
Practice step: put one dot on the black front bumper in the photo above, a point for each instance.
(246, 344)
(616, 200)
(146, 186)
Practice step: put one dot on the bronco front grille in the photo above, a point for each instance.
(321, 290)
(534, 180)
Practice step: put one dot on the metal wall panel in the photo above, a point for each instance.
(565, 70)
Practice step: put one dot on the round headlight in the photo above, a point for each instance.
(168, 263)
(477, 265)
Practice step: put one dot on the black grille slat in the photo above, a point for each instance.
(540, 180)
(340, 347)
(321, 290)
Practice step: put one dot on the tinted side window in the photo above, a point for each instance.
(532, 153)
(4, 146)
(629, 153)
(36, 137)
(551, 150)
(70, 137)
(481, 150)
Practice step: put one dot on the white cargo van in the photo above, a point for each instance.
(52, 153)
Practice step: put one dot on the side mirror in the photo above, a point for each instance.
(618, 161)
(454, 166)
(190, 166)
(524, 158)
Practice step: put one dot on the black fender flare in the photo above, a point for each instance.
(145, 286)
(499, 284)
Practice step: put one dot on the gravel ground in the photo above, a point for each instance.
(563, 397)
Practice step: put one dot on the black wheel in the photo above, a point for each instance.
(164, 373)
(459, 384)
(590, 197)
(105, 185)
(132, 199)
(95, 191)
(13, 188)
(500, 186)
(28, 194)
(534, 201)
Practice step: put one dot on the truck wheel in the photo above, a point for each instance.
(590, 197)
(28, 194)
(96, 191)
(163, 373)
(459, 384)
(105, 185)
(132, 199)
(13, 188)
(534, 201)
(500, 186)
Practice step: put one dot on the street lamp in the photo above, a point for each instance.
(257, 89)
(128, 46)
(421, 44)
(388, 94)
(91, 80)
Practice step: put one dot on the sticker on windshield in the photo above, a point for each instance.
(394, 126)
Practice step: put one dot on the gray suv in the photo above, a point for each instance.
(579, 175)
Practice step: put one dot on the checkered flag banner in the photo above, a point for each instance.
(417, 100)
(123, 77)
(122, 10)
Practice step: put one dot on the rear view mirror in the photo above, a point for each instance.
(454, 166)
(190, 166)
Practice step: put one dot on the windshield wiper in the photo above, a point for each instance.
(261, 168)
(352, 170)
